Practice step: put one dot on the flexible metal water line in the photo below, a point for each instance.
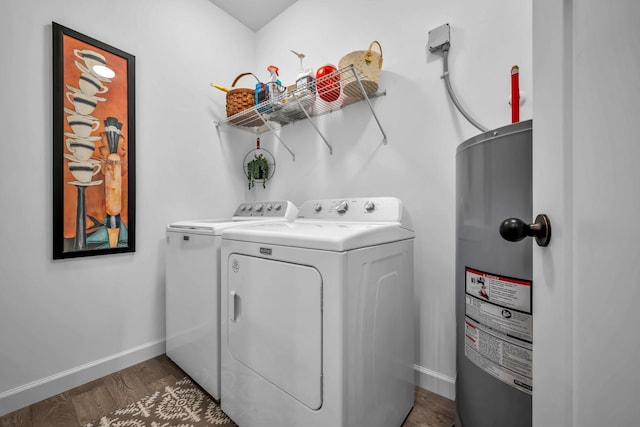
(445, 76)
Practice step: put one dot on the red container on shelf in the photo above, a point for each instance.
(328, 83)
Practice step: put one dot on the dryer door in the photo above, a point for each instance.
(275, 324)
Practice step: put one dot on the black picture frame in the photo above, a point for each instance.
(94, 184)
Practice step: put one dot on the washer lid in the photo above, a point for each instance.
(203, 226)
(330, 236)
(248, 212)
(214, 227)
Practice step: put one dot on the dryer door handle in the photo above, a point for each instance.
(234, 309)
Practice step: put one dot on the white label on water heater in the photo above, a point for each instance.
(499, 327)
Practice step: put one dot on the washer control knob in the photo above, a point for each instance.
(243, 208)
(342, 206)
(369, 206)
(258, 207)
(269, 206)
(278, 206)
(249, 207)
(317, 207)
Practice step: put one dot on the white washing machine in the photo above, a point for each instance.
(192, 271)
(317, 317)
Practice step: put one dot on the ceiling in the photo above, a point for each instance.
(253, 13)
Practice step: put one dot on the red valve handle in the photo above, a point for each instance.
(515, 94)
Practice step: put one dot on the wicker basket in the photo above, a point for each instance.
(240, 99)
(366, 62)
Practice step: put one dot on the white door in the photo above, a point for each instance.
(586, 163)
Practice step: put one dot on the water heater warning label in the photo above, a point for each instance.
(499, 326)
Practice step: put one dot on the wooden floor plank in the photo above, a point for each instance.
(150, 370)
(19, 418)
(172, 372)
(93, 404)
(170, 367)
(125, 387)
(86, 387)
(57, 411)
(162, 383)
(430, 410)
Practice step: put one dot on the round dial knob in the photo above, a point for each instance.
(317, 207)
(278, 206)
(269, 206)
(342, 206)
(249, 207)
(258, 207)
(369, 206)
(243, 208)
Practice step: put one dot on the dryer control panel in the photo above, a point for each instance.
(360, 209)
(266, 209)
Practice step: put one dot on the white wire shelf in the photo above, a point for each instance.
(326, 94)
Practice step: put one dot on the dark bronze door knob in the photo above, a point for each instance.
(515, 229)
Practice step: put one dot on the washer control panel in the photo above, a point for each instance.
(353, 209)
(267, 209)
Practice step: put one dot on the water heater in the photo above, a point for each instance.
(494, 312)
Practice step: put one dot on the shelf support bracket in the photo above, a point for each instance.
(364, 92)
(273, 132)
(313, 124)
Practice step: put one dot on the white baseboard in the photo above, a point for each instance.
(435, 382)
(44, 388)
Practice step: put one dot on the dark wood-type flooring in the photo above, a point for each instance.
(90, 401)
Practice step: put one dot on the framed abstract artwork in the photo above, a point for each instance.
(93, 147)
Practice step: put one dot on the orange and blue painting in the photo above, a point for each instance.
(93, 147)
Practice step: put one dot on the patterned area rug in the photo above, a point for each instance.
(180, 405)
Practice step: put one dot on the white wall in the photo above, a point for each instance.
(65, 322)
(424, 129)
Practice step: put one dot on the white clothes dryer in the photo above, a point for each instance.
(192, 269)
(317, 317)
